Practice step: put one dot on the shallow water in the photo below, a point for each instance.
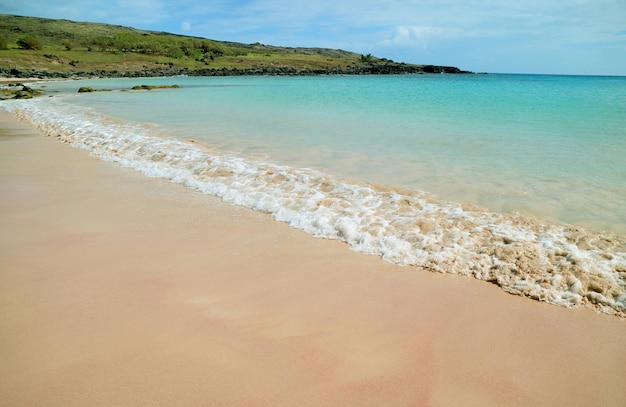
(550, 146)
(392, 165)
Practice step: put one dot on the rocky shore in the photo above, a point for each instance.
(374, 69)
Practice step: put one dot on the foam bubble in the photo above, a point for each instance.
(526, 256)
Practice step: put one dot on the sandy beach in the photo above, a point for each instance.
(121, 290)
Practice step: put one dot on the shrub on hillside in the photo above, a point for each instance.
(29, 42)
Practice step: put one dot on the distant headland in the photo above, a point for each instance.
(32, 47)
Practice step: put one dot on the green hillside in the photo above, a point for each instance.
(40, 47)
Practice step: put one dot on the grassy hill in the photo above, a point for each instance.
(31, 46)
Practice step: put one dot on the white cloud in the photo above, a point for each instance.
(421, 36)
(185, 26)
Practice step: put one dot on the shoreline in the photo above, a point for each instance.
(13, 81)
(118, 289)
(374, 69)
(547, 261)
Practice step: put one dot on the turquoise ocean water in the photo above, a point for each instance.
(515, 179)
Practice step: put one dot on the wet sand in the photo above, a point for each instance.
(117, 289)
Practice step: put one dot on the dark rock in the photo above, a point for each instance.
(22, 95)
(375, 68)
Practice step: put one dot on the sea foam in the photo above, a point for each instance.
(559, 264)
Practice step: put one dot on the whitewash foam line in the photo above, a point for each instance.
(561, 265)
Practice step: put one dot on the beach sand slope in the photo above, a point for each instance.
(118, 289)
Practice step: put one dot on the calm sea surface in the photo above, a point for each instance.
(351, 157)
(553, 146)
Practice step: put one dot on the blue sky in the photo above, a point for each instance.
(516, 36)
